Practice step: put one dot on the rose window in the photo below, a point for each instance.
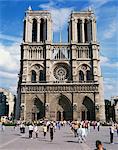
(60, 72)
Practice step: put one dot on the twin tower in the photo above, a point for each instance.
(38, 27)
(60, 81)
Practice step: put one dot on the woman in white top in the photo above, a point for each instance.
(36, 130)
(44, 130)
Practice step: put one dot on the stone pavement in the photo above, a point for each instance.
(11, 139)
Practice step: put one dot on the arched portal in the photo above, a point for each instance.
(38, 109)
(64, 108)
(58, 115)
(89, 112)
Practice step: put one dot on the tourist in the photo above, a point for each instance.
(75, 129)
(98, 125)
(51, 132)
(99, 145)
(36, 130)
(81, 133)
(111, 134)
(22, 128)
(30, 130)
(117, 128)
(44, 130)
(94, 124)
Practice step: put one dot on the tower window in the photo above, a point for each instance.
(34, 31)
(85, 31)
(33, 76)
(88, 75)
(78, 31)
(42, 30)
(81, 76)
(41, 75)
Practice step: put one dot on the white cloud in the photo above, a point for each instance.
(105, 61)
(13, 88)
(10, 38)
(8, 75)
(110, 31)
(97, 3)
(59, 15)
(111, 87)
(9, 57)
(9, 65)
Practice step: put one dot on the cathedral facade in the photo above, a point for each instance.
(60, 81)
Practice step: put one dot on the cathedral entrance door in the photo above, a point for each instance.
(83, 115)
(65, 107)
(89, 106)
(58, 116)
(39, 109)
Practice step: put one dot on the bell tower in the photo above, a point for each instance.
(37, 26)
(82, 27)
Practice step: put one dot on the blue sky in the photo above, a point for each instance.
(11, 27)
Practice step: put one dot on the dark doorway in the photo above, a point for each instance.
(66, 105)
(39, 111)
(58, 116)
(89, 104)
(83, 115)
(88, 115)
(64, 115)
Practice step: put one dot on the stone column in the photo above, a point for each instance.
(75, 30)
(29, 30)
(38, 30)
(93, 30)
(82, 31)
(49, 30)
(26, 30)
(89, 31)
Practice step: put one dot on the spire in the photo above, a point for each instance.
(29, 8)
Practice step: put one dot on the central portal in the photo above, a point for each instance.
(64, 108)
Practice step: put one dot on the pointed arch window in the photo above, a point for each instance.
(78, 31)
(81, 76)
(33, 76)
(41, 75)
(86, 31)
(42, 30)
(34, 31)
(88, 75)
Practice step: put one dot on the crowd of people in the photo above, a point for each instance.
(80, 129)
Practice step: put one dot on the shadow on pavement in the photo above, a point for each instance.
(72, 141)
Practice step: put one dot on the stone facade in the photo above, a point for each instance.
(60, 80)
(8, 103)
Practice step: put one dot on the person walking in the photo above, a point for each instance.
(36, 130)
(117, 128)
(98, 126)
(51, 132)
(111, 134)
(44, 130)
(30, 130)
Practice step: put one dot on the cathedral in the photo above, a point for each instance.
(60, 81)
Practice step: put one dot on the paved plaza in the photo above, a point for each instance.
(64, 139)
